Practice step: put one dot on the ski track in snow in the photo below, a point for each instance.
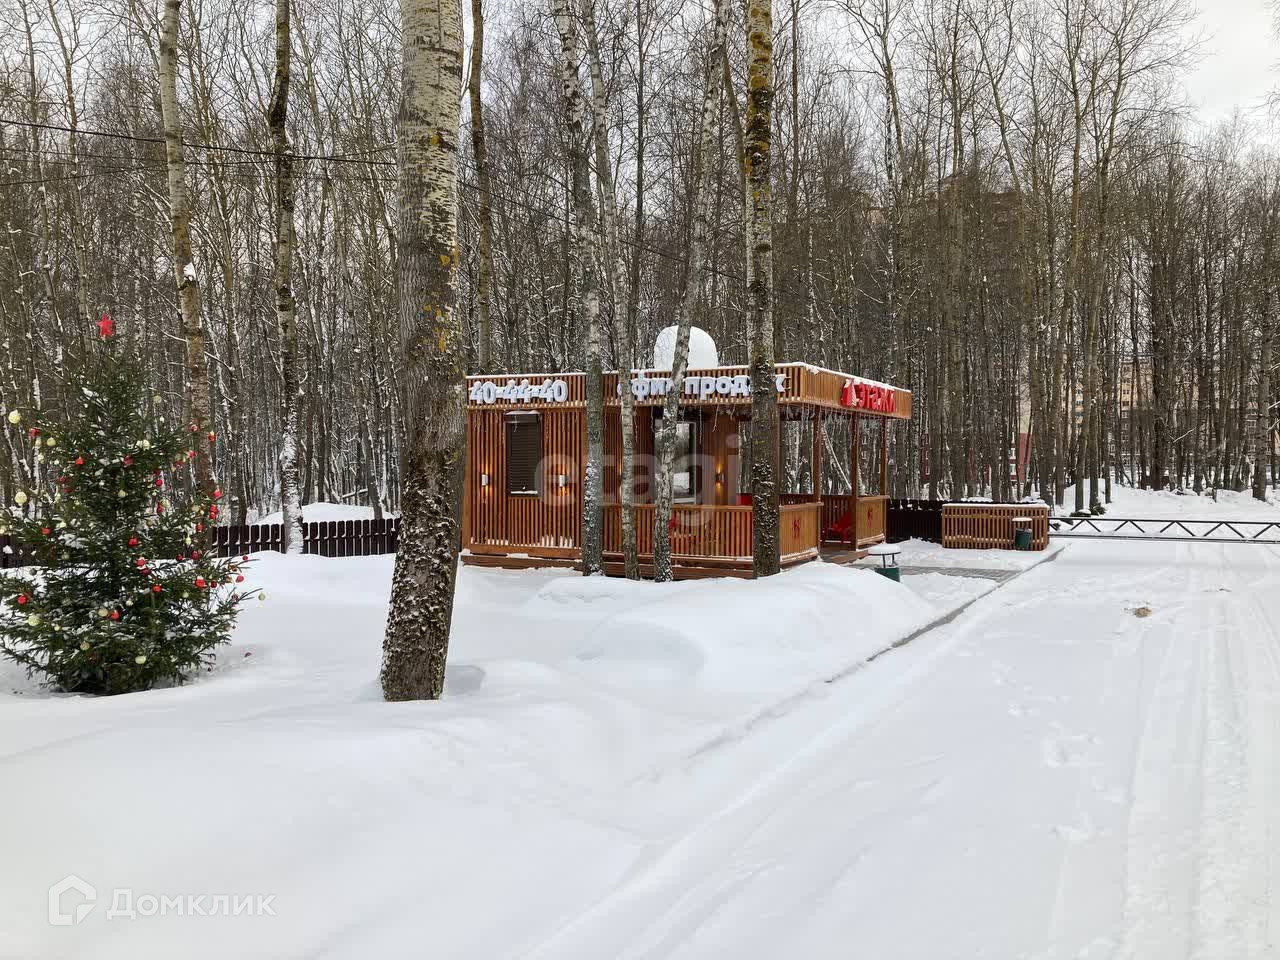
(1003, 788)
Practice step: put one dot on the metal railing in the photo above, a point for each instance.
(1128, 528)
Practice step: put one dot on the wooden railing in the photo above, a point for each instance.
(704, 531)
(799, 531)
(990, 525)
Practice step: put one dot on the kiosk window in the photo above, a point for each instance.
(524, 452)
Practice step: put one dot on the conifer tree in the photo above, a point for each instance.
(121, 592)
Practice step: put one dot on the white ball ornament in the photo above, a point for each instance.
(33, 620)
(15, 417)
(20, 498)
(140, 660)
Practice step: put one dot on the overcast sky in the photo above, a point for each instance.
(1239, 58)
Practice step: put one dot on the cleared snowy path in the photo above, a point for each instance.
(1050, 776)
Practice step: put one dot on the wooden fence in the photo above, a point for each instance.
(331, 538)
(988, 526)
(915, 520)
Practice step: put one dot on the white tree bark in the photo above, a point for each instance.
(197, 385)
(581, 227)
(764, 398)
(286, 309)
(709, 132)
(416, 645)
(618, 288)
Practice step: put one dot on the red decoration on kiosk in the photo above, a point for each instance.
(868, 396)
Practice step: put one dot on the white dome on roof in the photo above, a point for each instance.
(702, 349)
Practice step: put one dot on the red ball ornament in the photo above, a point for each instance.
(46, 531)
(245, 557)
(106, 327)
(159, 508)
(127, 461)
(115, 614)
(195, 554)
(159, 481)
(79, 461)
(212, 436)
(33, 432)
(240, 578)
(191, 454)
(141, 561)
(217, 494)
(199, 528)
(155, 588)
(213, 512)
(133, 541)
(200, 583)
(22, 599)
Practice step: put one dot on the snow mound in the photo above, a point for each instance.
(323, 512)
(702, 349)
(580, 718)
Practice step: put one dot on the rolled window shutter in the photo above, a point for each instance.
(524, 452)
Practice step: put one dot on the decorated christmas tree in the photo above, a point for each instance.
(121, 592)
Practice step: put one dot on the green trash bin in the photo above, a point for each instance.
(891, 573)
(1022, 538)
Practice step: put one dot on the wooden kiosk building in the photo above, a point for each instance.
(526, 456)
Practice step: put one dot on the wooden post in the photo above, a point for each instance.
(815, 466)
(855, 439)
(884, 456)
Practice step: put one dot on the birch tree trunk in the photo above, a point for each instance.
(618, 288)
(197, 373)
(581, 226)
(764, 397)
(709, 134)
(484, 268)
(286, 309)
(416, 645)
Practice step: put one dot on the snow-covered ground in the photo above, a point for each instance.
(922, 553)
(1138, 504)
(576, 710)
(1083, 764)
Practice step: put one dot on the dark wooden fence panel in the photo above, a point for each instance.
(915, 520)
(329, 538)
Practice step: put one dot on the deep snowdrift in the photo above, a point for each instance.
(575, 708)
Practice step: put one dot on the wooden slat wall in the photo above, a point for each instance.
(799, 523)
(642, 446)
(546, 524)
(989, 526)
(700, 532)
(872, 514)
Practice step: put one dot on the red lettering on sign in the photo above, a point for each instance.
(868, 396)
